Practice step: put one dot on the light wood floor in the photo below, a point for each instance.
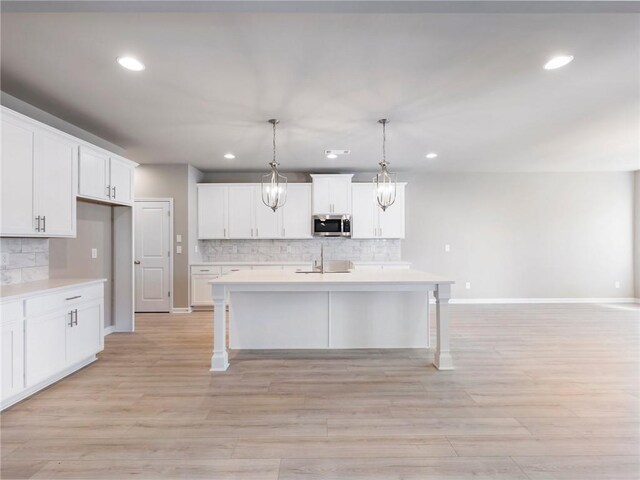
(539, 392)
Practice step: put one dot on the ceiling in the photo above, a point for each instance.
(469, 86)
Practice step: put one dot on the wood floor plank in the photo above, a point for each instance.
(580, 467)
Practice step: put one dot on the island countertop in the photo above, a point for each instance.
(282, 277)
(50, 285)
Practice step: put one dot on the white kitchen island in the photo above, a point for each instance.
(368, 309)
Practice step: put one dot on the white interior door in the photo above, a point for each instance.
(153, 256)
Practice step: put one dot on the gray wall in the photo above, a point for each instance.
(71, 257)
(19, 106)
(171, 181)
(636, 236)
(194, 176)
(524, 235)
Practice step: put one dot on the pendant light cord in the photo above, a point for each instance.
(384, 142)
(274, 142)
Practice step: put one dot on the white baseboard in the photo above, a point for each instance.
(108, 330)
(181, 310)
(495, 301)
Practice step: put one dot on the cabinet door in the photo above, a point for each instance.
(45, 346)
(84, 335)
(93, 175)
(392, 220)
(212, 211)
(12, 358)
(340, 194)
(267, 222)
(241, 207)
(16, 177)
(365, 215)
(201, 290)
(55, 183)
(120, 181)
(321, 195)
(296, 213)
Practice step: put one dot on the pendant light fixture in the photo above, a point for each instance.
(384, 183)
(274, 185)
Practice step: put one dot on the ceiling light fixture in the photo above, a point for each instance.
(384, 182)
(274, 185)
(131, 63)
(431, 155)
(557, 62)
(229, 156)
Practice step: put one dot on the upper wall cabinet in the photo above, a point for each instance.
(38, 182)
(369, 221)
(331, 194)
(104, 176)
(236, 211)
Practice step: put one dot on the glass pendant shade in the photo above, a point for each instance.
(274, 189)
(385, 188)
(274, 185)
(384, 182)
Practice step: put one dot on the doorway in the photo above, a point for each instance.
(153, 254)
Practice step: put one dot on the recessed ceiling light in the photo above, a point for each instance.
(229, 156)
(332, 155)
(557, 62)
(131, 63)
(431, 155)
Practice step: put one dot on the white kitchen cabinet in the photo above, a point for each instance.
(121, 174)
(296, 213)
(16, 174)
(12, 349)
(241, 211)
(48, 334)
(84, 335)
(266, 221)
(236, 211)
(39, 174)
(54, 184)
(331, 194)
(93, 174)
(104, 176)
(212, 211)
(369, 221)
(200, 288)
(45, 349)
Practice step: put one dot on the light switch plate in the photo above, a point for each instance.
(467, 285)
(178, 238)
(94, 253)
(447, 248)
(179, 249)
(617, 284)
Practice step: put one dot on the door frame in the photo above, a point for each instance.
(170, 201)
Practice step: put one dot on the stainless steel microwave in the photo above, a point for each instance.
(331, 225)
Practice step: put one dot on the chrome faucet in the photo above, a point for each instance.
(321, 267)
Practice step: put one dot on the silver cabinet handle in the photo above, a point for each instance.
(252, 233)
(75, 316)
(136, 262)
(225, 233)
(114, 191)
(257, 234)
(44, 223)
(70, 319)
(73, 298)
(108, 191)
(38, 223)
(204, 270)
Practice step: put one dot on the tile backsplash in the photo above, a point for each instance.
(299, 250)
(24, 260)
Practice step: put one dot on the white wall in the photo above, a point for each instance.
(524, 235)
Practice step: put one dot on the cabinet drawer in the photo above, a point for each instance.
(303, 267)
(66, 298)
(207, 270)
(234, 268)
(11, 311)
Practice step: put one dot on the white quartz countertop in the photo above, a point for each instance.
(207, 264)
(383, 276)
(8, 292)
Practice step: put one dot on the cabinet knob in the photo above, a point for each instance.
(136, 262)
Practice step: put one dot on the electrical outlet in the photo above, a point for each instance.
(178, 238)
(288, 248)
(195, 247)
(467, 285)
(94, 253)
(447, 248)
(234, 249)
(179, 249)
(617, 284)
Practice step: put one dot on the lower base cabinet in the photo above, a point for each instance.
(64, 333)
